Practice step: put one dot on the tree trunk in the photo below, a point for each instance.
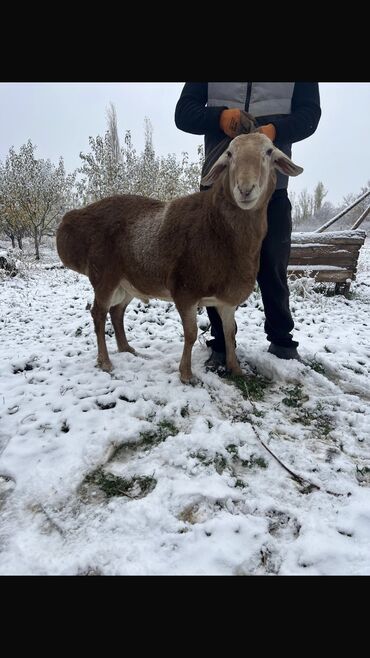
(19, 240)
(37, 243)
(13, 240)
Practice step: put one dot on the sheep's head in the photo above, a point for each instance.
(250, 162)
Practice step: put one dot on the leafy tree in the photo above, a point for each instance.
(110, 169)
(113, 133)
(34, 190)
(319, 194)
(149, 165)
(12, 221)
(102, 174)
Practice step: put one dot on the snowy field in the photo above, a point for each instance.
(135, 473)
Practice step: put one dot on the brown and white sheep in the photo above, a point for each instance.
(198, 250)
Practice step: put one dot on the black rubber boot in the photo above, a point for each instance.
(284, 352)
(216, 362)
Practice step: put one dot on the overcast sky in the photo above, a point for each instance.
(60, 117)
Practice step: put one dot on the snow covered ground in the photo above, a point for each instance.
(135, 473)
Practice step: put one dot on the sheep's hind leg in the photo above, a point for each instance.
(227, 314)
(117, 313)
(188, 314)
(99, 315)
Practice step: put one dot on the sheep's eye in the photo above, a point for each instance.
(228, 153)
(269, 152)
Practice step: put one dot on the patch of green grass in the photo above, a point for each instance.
(317, 366)
(147, 440)
(113, 485)
(243, 417)
(252, 387)
(258, 461)
(228, 462)
(295, 396)
(303, 416)
(249, 416)
(232, 449)
(220, 463)
(258, 412)
(322, 423)
(164, 429)
(247, 463)
(217, 460)
(363, 474)
(254, 461)
(363, 470)
(200, 455)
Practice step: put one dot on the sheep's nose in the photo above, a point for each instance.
(246, 192)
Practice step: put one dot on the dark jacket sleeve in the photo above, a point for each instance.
(305, 114)
(192, 115)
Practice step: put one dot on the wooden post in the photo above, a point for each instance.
(342, 212)
(360, 219)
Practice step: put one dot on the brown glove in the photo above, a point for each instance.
(236, 122)
(269, 130)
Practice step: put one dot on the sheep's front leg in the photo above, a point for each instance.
(188, 314)
(227, 314)
(117, 313)
(99, 314)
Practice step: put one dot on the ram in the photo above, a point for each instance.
(199, 250)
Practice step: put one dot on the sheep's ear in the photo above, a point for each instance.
(215, 171)
(284, 164)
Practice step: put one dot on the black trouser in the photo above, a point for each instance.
(272, 278)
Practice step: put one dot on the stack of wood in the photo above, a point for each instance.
(330, 256)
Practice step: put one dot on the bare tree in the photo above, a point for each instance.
(303, 208)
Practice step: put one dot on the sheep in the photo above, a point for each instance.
(199, 250)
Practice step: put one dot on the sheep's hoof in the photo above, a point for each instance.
(127, 349)
(236, 372)
(192, 380)
(105, 365)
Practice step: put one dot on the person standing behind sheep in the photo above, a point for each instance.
(286, 112)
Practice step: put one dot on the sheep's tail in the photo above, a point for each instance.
(71, 247)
